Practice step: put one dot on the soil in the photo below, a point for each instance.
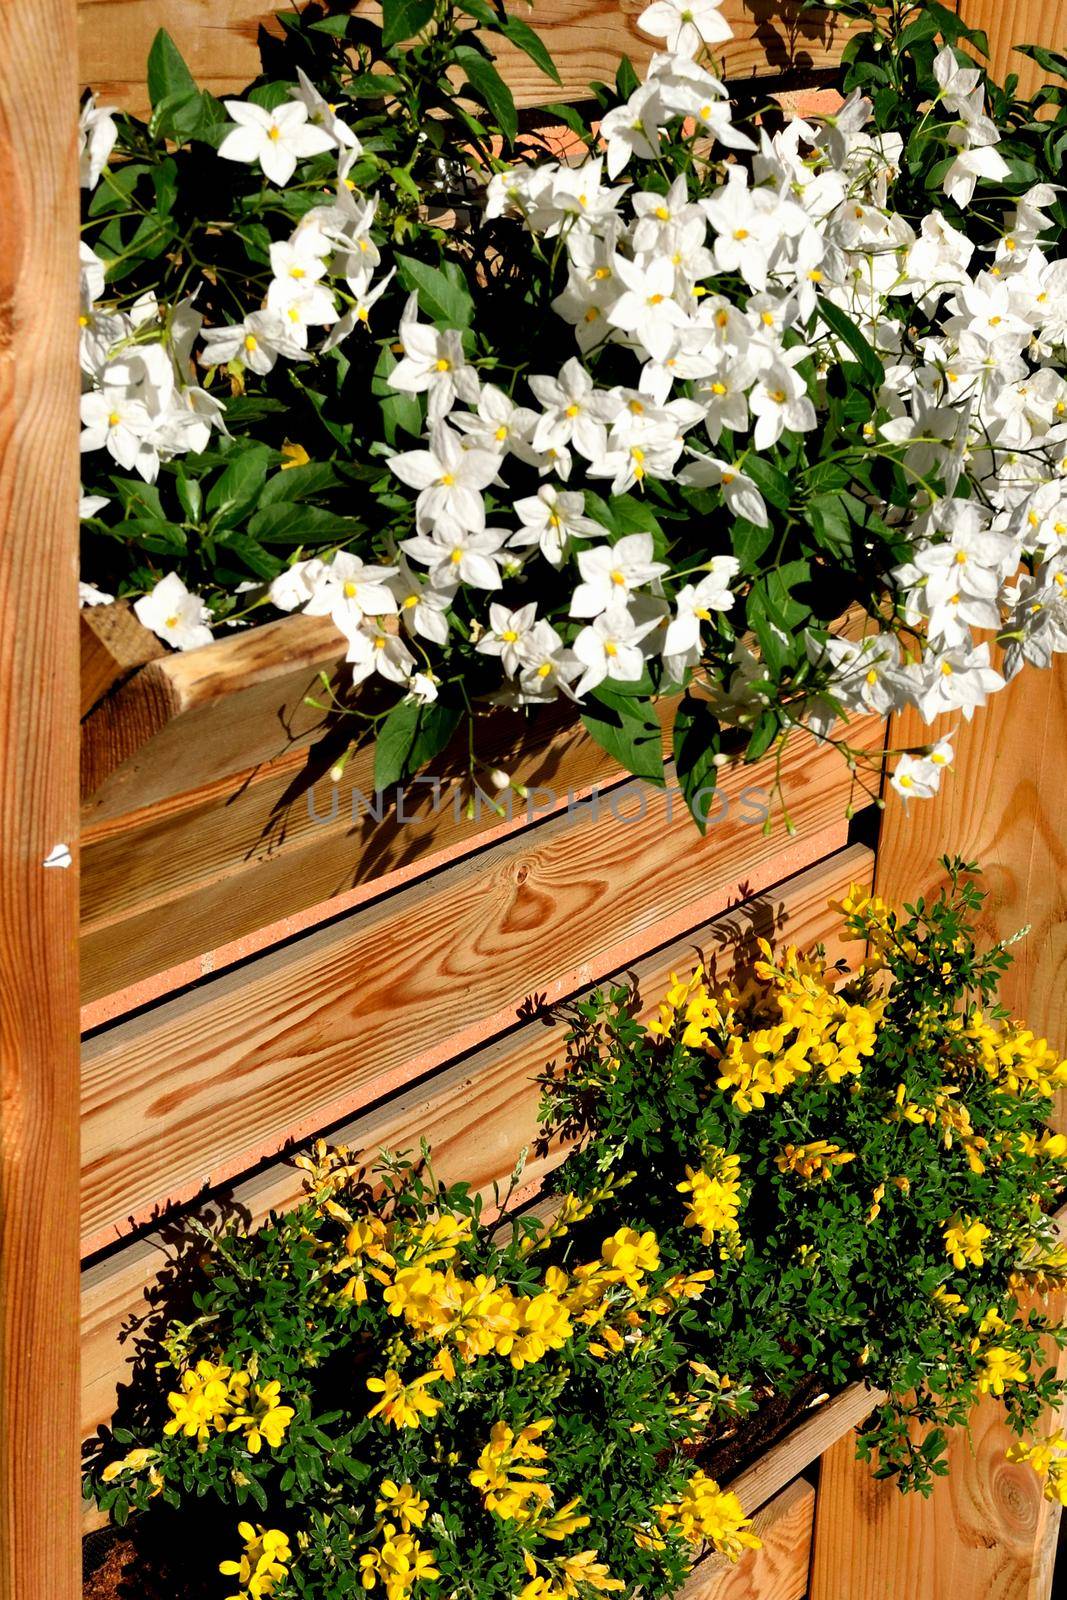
(140, 1563)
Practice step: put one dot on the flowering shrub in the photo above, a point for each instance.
(527, 427)
(778, 1181)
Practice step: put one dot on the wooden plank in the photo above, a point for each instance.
(1012, 22)
(1004, 805)
(217, 864)
(586, 38)
(777, 1571)
(39, 388)
(113, 646)
(203, 1085)
(986, 1529)
(193, 718)
(478, 1114)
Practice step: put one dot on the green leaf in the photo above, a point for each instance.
(396, 736)
(530, 43)
(850, 335)
(297, 483)
(697, 742)
(287, 522)
(490, 88)
(238, 489)
(403, 19)
(763, 736)
(437, 723)
(258, 561)
(772, 484)
(153, 533)
(1051, 60)
(167, 73)
(443, 293)
(830, 523)
(750, 542)
(630, 732)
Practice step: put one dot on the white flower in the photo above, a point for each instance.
(780, 400)
(919, 777)
(347, 591)
(507, 634)
(970, 165)
(694, 604)
(450, 480)
(256, 343)
(295, 586)
(90, 504)
(423, 609)
(89, 595)
(276, 139)
(738, 489)
(551, 517)
(123, 427)
(175, 615)
(956, 83)
(573, 413)
(372, 649)
(610, 647)
(647, 308)
(498, 424)
(686, 25)
(960, 679)
(366, 298)
(96, 140)
(433, 362)
(422, 688)
(612, 572)
(545, 666)
(630, 130)
(322, 115)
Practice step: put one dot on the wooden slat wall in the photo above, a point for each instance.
(38, 806)
(1012, 22)
(585, 37)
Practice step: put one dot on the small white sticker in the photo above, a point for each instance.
(58, 856)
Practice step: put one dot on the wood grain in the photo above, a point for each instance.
(39, 389)
(587, 38)
(197, 870)
(193, 718)
(113, 646)
(479, 1115)
(777, 1571)
(208, 1082)
(1004, 805)
(1012, 22)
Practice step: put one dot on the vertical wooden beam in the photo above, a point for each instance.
(1012, 22)
(39, 1553)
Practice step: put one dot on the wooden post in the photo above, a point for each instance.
(39, 1498)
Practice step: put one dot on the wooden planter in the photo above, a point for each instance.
(253, 976)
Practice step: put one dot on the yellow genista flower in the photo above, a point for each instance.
(567, 1577)
(295, 455)
(953, 1305)
(813, 1162)
(704, 1512)
(628, 1255)
(964, 1238)
(205, 1401)
(999, 1368)
(134, 1461)
(398, 1564)
(263, 1565)
(1015, 1058)
(266, 1419)
(1048, 1458)
(1043, 1276)
(509, 1474)
(716, 1195)
(404, 1404)
(401, 1503)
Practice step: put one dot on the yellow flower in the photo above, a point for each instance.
(1000, 1367)
(628, 1255)
(404, 1404)
(509, 1473)
(815, 1161)
(716, 1195)
(402, 1502)
(398, 1564)
(704, 1512)
(263, 1565)
(204, 1402)
(1048, 1458)
(133, 1462)
(295, 455)
(964, 1239)
(265, 1420)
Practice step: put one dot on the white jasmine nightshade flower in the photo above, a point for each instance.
(919, 777)
(573, 414)
(366, 298)
(647, 308)
(545, 667)
(840, 131)
(551, 517)
(113, 422)
(301, 257)
(865, 675)
(276, 139)
(738, 490)
(970, 165)
(747, 226)
(507, 635)
(686, 25)
(256, 343)
(779, 400)
(956, 680)
(694, 604)
(956, 84)
(423, 609)
(458, 556)
(96, 140)
(433, 364)
(610, 647)
(323, 115)
(348, 590)
(630, 130)
(422, 688)
(579, 193)
(174, 615)
(88, 595)
(372, 649)
(612, 572)
(498, 424)
(1035, 629)
(450, 480)
(301, 305)
(295, 586)
(89, 505)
